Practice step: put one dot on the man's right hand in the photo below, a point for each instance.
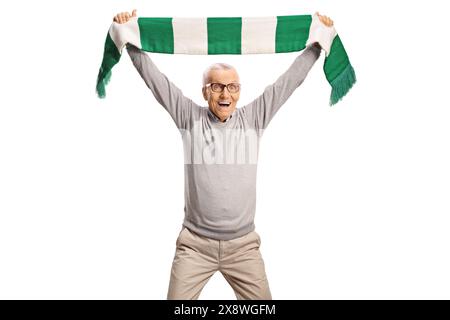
(123, 17)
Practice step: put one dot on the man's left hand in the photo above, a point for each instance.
(325, 20)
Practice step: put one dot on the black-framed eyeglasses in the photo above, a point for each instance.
(219, 87)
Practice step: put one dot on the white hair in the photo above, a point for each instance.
(215, 66)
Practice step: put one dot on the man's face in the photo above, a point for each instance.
(222, 104)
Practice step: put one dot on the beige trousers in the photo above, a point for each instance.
(197, 258)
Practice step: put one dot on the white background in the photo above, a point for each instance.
(353, 200)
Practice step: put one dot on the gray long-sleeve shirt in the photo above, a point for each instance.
(221, 157)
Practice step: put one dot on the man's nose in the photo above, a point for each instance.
(225, 92)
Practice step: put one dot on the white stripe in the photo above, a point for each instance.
(121, 33)
(319, 32)
(258, 35)
(190, 35)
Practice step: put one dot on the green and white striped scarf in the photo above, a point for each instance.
(226, 35)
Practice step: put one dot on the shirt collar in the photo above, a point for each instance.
(215, 118)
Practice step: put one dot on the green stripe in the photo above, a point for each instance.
(336, 61)
(156, 34)
(292, 33)
(224, 35)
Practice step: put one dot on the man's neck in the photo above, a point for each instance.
(217, 118)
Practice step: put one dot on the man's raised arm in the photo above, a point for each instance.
(165, 92)
(261, 110)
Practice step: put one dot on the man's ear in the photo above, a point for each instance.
(205, 94)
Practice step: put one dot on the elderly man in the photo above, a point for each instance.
(220, 146)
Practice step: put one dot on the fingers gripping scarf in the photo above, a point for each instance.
(230, 36)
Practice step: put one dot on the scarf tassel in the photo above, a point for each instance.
(102, 81)
(342, 84)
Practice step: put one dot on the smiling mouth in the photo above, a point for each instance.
(224, 104)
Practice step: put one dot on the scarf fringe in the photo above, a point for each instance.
(102, 81)
(342, 84)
